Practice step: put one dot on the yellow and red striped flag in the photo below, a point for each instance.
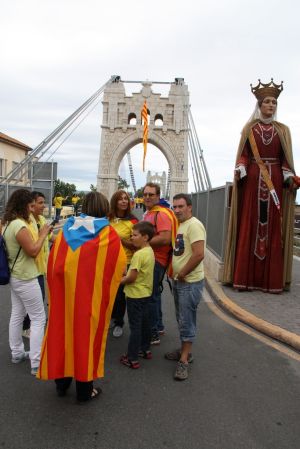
(85, 268)
(145, 131)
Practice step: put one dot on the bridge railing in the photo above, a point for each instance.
(297, 241)
(211, 207)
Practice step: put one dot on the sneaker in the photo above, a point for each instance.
(26, 333)
(21, 358)
(181, 372)
(155, 340)
(34, 370)
(145, 355)
(118, 331)
(175, 355)
(134, 364)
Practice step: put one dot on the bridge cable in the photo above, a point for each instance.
(56, 134)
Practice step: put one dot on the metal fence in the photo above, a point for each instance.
(211, 207)
(41, 176)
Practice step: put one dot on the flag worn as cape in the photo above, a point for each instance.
(85, 267)
(174, 221)
(171, 215)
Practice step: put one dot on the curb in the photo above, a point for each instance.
(271, 330)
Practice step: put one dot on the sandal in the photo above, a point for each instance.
(94, 395)
(130, 363)
(145, 355)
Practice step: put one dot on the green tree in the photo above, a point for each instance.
(66, 189)
(139, 192)
(122, 184)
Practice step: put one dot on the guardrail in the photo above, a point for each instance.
(296, 246)
(66, 212)
(211, 207)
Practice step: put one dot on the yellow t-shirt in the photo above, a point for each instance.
(75, 200)
(41, 259)
(25, 267)
(190, 231)
(123, 227)
(57, 202)
(143, 262)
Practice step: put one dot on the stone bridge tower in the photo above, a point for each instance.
(122, 129)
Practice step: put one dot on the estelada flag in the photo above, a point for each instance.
(166, 210)
(85, 267)
(172, 217)
(145, 131)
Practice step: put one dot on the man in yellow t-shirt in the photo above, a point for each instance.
(57, 203)
(188, 279)
(75, 203)
(138, 290)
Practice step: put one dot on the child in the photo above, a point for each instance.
(138, 290)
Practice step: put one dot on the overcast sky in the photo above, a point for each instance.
(55, 54)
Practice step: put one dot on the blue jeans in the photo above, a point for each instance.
(155, 300)
(187, 296)
(139, 323)
(57, 214)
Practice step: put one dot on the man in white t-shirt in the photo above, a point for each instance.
(188, 279)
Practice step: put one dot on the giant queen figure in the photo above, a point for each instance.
(259, 248)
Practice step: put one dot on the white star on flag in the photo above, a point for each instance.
(86, 222)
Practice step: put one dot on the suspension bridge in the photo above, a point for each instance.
(180, 123)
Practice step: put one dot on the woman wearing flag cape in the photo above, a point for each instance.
(85, 267)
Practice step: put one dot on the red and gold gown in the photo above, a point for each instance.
(259, 249)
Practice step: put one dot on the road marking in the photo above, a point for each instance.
(247, 330)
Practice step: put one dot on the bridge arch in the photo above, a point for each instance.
(118, 136)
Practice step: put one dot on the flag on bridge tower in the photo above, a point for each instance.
(145, 131)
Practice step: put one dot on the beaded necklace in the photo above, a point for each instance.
(266, 133)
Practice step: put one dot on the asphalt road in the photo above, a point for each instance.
(241, 394)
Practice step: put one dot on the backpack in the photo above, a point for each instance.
(4, 267)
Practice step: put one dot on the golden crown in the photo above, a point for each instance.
(271, 89)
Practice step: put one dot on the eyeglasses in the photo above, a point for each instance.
(150, 195)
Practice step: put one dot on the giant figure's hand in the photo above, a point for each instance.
(296, 182)
(237, 175)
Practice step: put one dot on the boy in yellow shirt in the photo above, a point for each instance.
(138, 290)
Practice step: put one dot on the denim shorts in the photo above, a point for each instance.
(187, 296)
